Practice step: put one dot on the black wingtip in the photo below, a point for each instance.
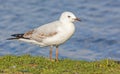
(17, 35)
(11, 38)
(13, 35)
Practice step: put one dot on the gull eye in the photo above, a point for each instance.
(68, 16)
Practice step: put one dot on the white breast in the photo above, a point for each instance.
(64, 33)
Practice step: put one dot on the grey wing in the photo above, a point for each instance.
(42, 32)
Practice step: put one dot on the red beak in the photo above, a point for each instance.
(78, 19)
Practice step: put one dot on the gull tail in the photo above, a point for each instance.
(16, 36)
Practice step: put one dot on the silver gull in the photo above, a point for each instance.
(51, 34)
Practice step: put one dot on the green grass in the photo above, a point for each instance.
(27, 64)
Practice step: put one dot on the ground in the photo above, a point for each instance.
(27, 64)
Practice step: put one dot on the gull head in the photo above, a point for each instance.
(68, 17)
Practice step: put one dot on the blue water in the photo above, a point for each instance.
(96, 37)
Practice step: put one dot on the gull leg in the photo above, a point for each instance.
(56, 53)
(51, 53)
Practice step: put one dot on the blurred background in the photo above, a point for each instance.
(96, 37)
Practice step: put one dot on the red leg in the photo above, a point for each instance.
(56, 53)
(51, 53)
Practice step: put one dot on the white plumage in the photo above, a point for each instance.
(51, 34)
